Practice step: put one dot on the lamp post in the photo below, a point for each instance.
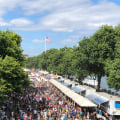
(94, 78)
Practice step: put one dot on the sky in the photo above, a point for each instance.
(65, 22)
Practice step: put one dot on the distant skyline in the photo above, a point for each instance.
(65, 22)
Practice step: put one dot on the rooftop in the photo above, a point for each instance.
(110, 97)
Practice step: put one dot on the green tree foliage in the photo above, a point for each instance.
(113, 66)
(12, 73)
(67, 61)
(10, 45)
(81, 59)
(12, 76)
(51, 60)
(58, 61)
(96, 55)
(31, 62)
(4, 89)
(97, 49)
(113, 71)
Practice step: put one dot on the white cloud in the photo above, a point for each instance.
(69, 15)
(20, 22)
(62, 15)
(37, 41)
(39, 6)
(67, 41)
(7, 5)
(3, 23)
(84, 16)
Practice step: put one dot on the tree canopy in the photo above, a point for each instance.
(95, 50)
(12, 76)
(93, 56)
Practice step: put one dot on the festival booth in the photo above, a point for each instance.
(67, 84)
(52, 76)
(32, 76)
(38, 79)
(60, 80)
(31, 80)
(78, 99)
(113, 105)
(98, 100)
(27, 70)
(79, 90)
(37, 74)
(43, 72)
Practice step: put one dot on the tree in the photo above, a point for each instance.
(82, 59)
(113, 71)
(67, 61)
(10, 45)
(4, 89)
(12, 76)
(50, 59)
(12, 72)
(113, 66)
(95, 50)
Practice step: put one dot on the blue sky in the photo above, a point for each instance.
(65, 22)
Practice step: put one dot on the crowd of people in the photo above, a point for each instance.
(44, 102)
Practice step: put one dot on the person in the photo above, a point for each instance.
(35, 113)
(106, 115)
(100, 112)
(12, 118)
(110, 117)
(50, 118)
(12, 113)
(30, 116)
(5, 117)
(45, 114)
(73, 114)
(65, 116)
(21, 117)
(2, 115)
(38, 116)
(81, 113)
(25, 117)
(88, 115)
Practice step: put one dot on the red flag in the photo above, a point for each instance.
(47, 39)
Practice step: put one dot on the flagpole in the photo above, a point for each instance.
(45, 53)
(45, 45)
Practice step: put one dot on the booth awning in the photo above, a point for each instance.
(60, 80)
(97, 99)
(44, 72)
(80, 100)
(77, 89)
(38, 79)
(66, 84)
(31, 80)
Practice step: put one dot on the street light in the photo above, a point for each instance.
(94, 78)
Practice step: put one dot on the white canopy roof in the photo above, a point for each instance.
(44, 72)
(80, 100)
(31, 80)
(38, 79)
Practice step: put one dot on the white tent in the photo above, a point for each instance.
(38, 79)
(80, 100)
(31, 80)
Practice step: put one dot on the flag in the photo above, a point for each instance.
(33, 69)
(56, 76)
(47, 39)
